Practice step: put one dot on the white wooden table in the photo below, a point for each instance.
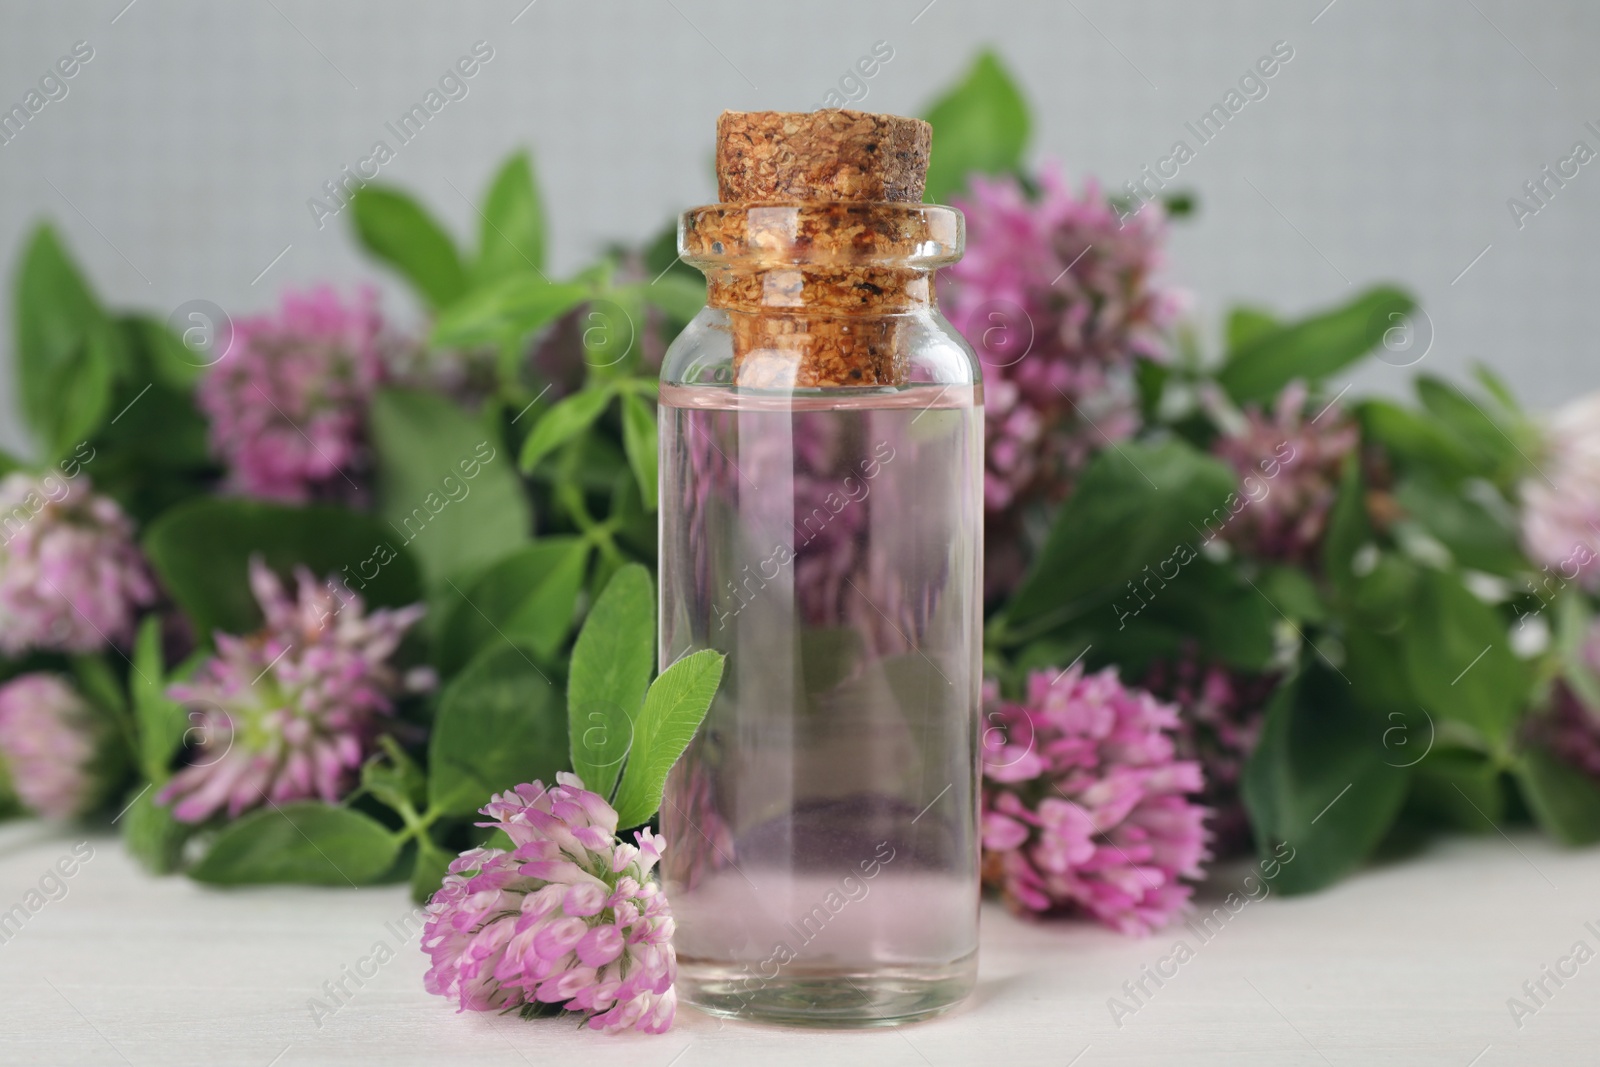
(1410, 963)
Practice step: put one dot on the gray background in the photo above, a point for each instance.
(181, 162)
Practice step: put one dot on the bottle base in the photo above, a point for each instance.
(827, 997)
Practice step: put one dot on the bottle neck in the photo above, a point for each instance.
(796, 288)
(817, 294)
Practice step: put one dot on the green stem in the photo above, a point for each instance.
(598, 533)
(416, 825)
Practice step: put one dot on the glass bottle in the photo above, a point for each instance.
(821, 523)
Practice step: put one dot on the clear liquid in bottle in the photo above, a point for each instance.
(823, 859)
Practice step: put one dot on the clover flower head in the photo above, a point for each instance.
(1561, 503)
(291, 711)
(287, 399)
(1220, 714)
(57, 750)
(1060, 295)
(1289, 468)
(71, 577)
(1086, 806)
(569, 917)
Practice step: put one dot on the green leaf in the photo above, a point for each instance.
(1181, 204)
(1349, 528)
(1246, 324)
(397, 230)
(152, 454)
(1375, 665)
(609, 329)
(639, 439)
(150, 832)
(1574, 622)
(680, 297)
(1135, 505)
(161, 720)
(611, 665)
(1313, 348)
(1488, 443)
(529, 597)
(563, 422)
(306, 843)
(1151, 379)
(1291, 591)
(165, 355)
(201, 552)
(1317, 782)
(1457, 787)
(500, 724)
(673, 708)
(1458, 658)
(1564, 801)
(636, 528)
(66, 347)
(511, 239)
(1204, 602)
(1415, 440)
(979, 127)
(1380, 595)
(97, 682)
(1477, 536)
(443, 485)
(83, 397)
(506, 311)
(1504, 399)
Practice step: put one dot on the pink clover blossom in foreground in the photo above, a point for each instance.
(1086, 807)
(569, 918)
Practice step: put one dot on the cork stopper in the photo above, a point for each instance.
(821, 244)
(834, 154)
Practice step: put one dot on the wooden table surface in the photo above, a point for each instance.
(1409, 963)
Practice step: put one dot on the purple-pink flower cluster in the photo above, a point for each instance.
(569, 917)
(1086, 806)
(1220, 712)
(71, 578)
(1561, 502)
(288, 397)
(1289, 468)
(291, 711)
(53, 746)
(1059, 297)
(1570, 728)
